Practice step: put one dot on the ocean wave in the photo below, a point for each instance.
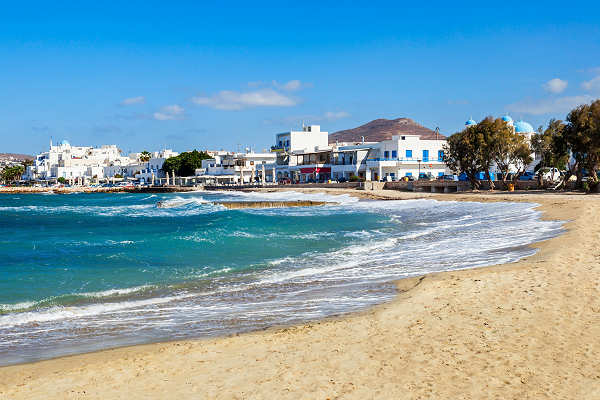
(71, 298)
(64, 312)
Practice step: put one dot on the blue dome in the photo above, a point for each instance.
(470, 122)
(65, 143)
(523, 127)
(507, 118)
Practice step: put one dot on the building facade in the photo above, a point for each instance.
(239, 168)
(85, 163)
(401, 156)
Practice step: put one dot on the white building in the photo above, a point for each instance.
(71, 162)
(403, 155)
(239, 168)
(144, 170)
(406, 155)
(86, 163)
(309, 139)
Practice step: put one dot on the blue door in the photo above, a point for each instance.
(425, 155)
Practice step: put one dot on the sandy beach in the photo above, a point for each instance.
(526, 330)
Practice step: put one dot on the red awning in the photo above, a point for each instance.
(315, 170)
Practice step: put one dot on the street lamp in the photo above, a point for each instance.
(419, 176)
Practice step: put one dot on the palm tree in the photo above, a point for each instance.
(145, 156)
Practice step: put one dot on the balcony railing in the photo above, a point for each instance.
(406, 159)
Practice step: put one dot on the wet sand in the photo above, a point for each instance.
(526, 330)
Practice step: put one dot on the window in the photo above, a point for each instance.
(403, 137)
(408, 154)
(425, 155)
(440, 155)
(386, 154)
(394, 154)
(440, 174)
(408, 174)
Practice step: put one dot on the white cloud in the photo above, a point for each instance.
(555, 85)
(133, 100)
(549, 106)
(592, 85)
(290, 86)
(334, 115)
(231, 100)
(170, 112)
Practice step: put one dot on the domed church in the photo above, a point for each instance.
(521, 127)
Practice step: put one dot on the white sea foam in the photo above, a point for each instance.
(115, 292)
(58, 313)
(16, 306)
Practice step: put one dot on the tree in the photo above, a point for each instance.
(12, 173)
(510, 151)
(145, 156)
(472, 150)
(582, 136)
(544, 143)
(463, 154)
(552, 148)
(186, 163)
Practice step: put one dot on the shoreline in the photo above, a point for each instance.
(55, 377)
(88, 189)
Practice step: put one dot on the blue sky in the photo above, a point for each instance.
(215, 75)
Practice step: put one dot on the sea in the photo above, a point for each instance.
(85, 272)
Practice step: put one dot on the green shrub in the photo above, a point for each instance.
(586, 187)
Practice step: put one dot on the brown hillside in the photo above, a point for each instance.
(14, 156)
(383, 129)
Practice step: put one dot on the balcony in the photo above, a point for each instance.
(404, 160)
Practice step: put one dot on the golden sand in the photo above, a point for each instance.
(526, 330)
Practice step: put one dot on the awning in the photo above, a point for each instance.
(317, 170)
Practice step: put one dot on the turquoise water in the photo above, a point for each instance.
(82, 272)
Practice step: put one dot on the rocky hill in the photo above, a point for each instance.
(15, 157)
(383, 129)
